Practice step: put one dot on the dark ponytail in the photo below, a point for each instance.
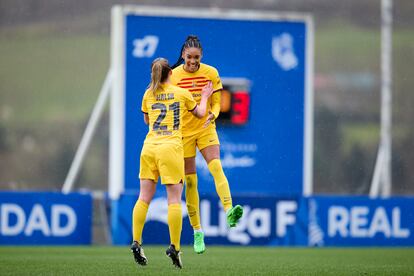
(192, 41)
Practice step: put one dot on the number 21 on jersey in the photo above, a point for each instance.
(175, 107)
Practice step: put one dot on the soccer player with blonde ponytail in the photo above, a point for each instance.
(156, 76)
(162, 154)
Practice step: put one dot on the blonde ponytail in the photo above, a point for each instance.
(160, 71)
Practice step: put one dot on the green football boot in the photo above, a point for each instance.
(234, 215)
(199, 246)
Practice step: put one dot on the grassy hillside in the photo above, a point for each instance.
(51, 78)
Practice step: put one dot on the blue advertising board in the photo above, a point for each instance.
(37, 218)
(361, 221)
(266, 154)
(282, 221)
(266, 221)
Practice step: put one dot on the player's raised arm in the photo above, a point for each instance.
(206, 92)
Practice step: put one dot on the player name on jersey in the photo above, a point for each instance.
(165, 97)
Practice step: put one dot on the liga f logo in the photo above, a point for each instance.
(145, 47)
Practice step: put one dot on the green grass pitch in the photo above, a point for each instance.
(96, 260)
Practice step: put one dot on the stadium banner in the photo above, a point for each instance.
(280, 221)
(361, 221)
(265, 60)
(266, 221)
(45, 218)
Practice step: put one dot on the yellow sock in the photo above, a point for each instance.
(192, 200)
(175, 223)
(138, 219)
(222, 185)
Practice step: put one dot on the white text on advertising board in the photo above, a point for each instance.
(15, 221)
(356, 222)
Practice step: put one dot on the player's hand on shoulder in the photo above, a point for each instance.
(210, 119)
(207, 90)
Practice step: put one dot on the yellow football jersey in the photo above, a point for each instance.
(194, 82)
(165, 110)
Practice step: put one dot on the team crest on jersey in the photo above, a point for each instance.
(193, 84)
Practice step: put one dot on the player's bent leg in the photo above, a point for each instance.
(212, 156)
(222, 185)
(175, 222)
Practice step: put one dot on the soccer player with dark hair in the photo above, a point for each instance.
(191, 74)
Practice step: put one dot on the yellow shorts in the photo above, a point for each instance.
(165, 160)
(203, 139)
